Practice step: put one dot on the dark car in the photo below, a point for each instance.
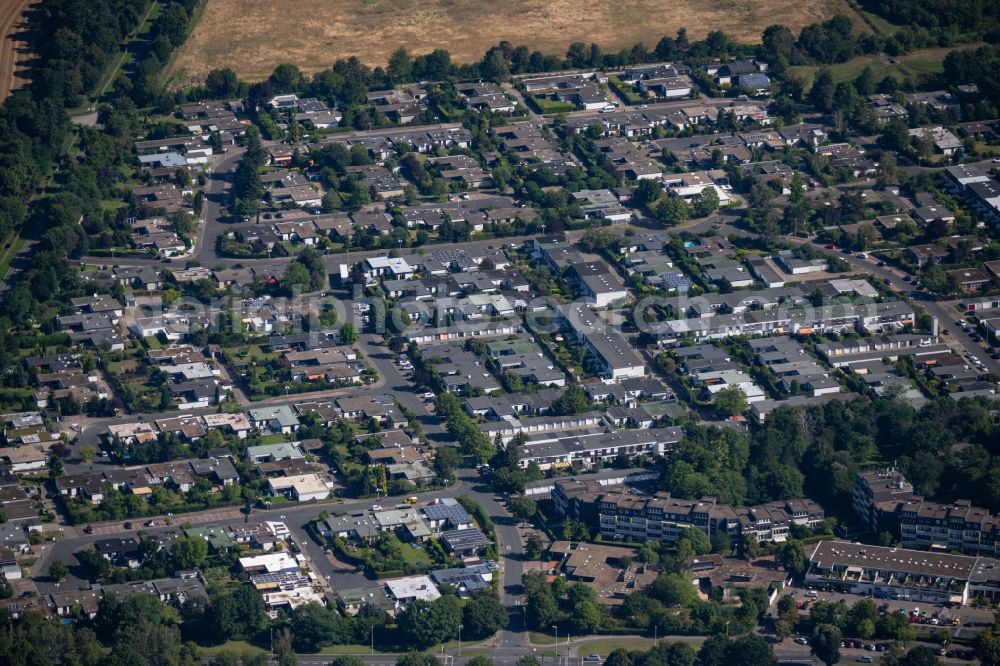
(89, 529)
(127, 525)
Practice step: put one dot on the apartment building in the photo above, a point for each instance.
(884, 499)
(875, 487)
(622, 512)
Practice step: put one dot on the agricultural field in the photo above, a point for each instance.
(314, 35)
(14, 45)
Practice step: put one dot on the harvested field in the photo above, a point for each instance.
(15, 45)
(252, 36)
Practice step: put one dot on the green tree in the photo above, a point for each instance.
(284, 648)
(749, 547)
(188, 552)
(58, 570)
(730, 401)
(825, 643)
(541, 610)
(522, 507)
(822, 91)
(480, 660)
(714, 651)
(297, 275)
(55, 466)
(533, 546)
(792, 556)
(417, 659)
(573, 401)
(348, 660)
(400, 65)
(672, 210)
(618, 657)
(423, 624)
(987, 646)
(861, 619)
(585, 618)
(705, 202)
(749, 650)
(349, 333)
(673, 589)
(483, 615)
(692, 542)
(446, 460)
(238, 614)
(315, 626)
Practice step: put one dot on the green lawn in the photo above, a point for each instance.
(884, 26)
(550, 106)
(347, 649)
(605, 647)
(8, 257)
(415, 556)
(914, 65)
(274, 438)
(538, 638)
(238, 647)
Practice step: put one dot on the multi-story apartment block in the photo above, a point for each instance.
(936, 526)
(875, 487)
(885, 501)
(620, 512)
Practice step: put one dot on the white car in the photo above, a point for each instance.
(376, 507)
(802, 640)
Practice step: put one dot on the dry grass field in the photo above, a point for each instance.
(252, 36)
(14, 45)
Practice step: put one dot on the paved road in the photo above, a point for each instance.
(946, 315)
(216, 198)
(296, 516)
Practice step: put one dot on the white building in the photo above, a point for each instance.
(411, 588)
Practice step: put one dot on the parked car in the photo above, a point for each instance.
(127, 525)
(865, 659)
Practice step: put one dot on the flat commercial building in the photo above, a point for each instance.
(896, 573)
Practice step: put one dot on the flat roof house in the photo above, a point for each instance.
(302, 487)
(404, 590)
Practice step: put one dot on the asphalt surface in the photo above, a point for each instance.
(946, 315)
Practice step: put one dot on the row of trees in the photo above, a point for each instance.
(471, 440)
(815, 451)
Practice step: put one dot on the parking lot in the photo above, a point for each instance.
(970, 620)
